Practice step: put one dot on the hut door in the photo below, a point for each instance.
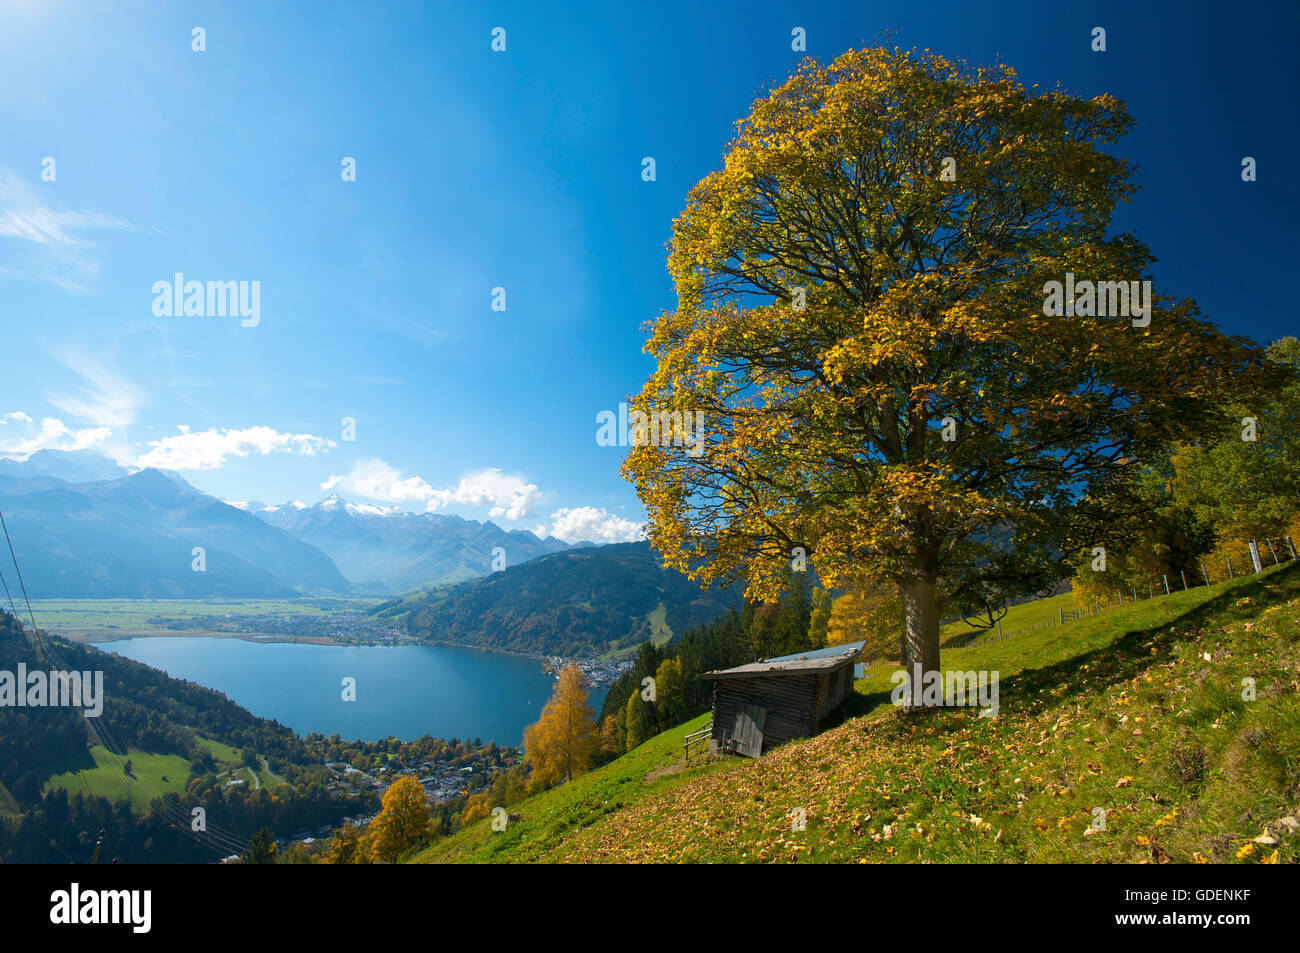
(747, 736)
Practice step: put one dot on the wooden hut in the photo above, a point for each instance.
(765, 703)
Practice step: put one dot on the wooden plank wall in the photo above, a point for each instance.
(788, 699)
(797, 705)
(832, 689)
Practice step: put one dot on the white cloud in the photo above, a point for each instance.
(376, 480)
(594, 525)
(507, 495)
(208, 449)
(504, 494)
(53, 434)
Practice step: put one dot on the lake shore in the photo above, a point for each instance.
(93, 638)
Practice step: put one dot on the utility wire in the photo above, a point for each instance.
(10, 597)
(223, 842)
(22, 585)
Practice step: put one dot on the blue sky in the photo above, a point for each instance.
(477, 170)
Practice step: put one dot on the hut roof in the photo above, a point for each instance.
(815, 660)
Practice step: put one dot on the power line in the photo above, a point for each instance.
(22, 585)
(9, 596)
(223, 842)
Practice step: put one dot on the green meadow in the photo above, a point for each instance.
(152, 774)
(121, 618)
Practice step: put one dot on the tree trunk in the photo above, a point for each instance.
(921, 637)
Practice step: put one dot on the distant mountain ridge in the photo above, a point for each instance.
(85, 527)
(134, 536)
(578, 603)
(73, 466)
(388, 550)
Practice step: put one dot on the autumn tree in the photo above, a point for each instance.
(640, 721)
(349, 845)
(819, 619)
(559, 746)
(872, 614)
(670, 694)
(863, 297)
(477, 807)
(866, 321)
(507, 788)
(402, 822)
(611, 745)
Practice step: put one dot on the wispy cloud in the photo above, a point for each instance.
(208, 449)
(51, 245)
(104, 396)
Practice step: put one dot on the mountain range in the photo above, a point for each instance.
(136, 537)
(84, 527)
(386, 550)
(73, 466)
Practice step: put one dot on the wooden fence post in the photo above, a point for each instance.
(1184, 575)
(1254, 556)
(1276, 561)
(1165, 577)
(1229, 558)
(1290, 546)
(1205, 574)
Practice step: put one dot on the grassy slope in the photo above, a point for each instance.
(107, 780)
(221, 752)
(1137, 711)
(652, 768)
(1040, 611)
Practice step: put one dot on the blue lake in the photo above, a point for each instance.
(406, 691)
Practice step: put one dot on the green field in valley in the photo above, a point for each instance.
(122, 618)
(153, 774)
